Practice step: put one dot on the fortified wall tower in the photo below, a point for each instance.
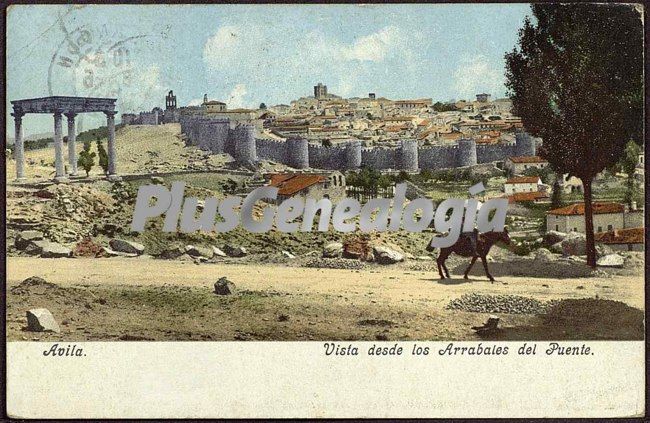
(217, 136)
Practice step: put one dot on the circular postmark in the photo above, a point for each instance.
(100, 62)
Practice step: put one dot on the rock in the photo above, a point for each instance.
(41, 320)
(333, 250)
(107, 252)
(544, 255)
(423, 258)
(224, 287)
(48, 249)
(556, 248)
(385, 255)
(171, 253)
(553, 237)
(611, 260)
(234, 251)
(217, 252)
(603, 250)
(157, 180)
(25, 237)
(198, 251)
(124, 246)
(288, 255)
(575, 244)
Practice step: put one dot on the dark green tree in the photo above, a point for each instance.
(86, 159)
(556, 196)
(576, 80)
(102, 156)
(262, 106)
(326, 143)
(628, 165)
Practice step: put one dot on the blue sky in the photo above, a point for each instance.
(248, 54)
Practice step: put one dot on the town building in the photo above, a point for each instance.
(313, 185)
(607, 217)
(622, 239)
(483, 98)
(518, 165)
(523, 184)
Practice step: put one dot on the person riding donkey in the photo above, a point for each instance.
(471, 236)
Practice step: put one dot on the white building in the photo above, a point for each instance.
(518, 165)
(523, 184)
(607, 217)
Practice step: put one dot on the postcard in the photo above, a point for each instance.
(325, 210)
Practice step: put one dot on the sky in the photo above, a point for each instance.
(248, 54)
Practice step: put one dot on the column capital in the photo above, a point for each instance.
(58, 113)
(110, 113)
(70, 115)
(18, 114)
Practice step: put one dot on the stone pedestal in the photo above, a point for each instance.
(58, 149)
(72, 149)
(112, 153)
(19, 147)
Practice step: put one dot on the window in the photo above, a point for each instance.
(557, 228)
(600, 229)
(575, 229)
(609, 227)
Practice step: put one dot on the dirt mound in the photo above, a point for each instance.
(335, 263)
(35, 285)
(510, 304)
(593, 312)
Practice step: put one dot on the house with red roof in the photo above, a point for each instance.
(622, 239)
(523, 184)
(313, 185)
(608, 216)
(518, 165)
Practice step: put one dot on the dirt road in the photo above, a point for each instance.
(140, 298)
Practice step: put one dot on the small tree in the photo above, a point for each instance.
(556, 195)
(628, 165)
(86, 159)
(326, 143)
(262, 106)
(103, 156)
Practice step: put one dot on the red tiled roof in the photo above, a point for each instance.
(579, 209)
(621, 236)
(523, 180)
(527, 159)
(289, 183)
(526, 196)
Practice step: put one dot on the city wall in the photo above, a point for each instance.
(240, 141)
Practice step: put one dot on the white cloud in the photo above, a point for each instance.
(375, 47)
(474, 75)
(267, 56)
(236, 97)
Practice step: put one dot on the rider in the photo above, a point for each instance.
(473, 235)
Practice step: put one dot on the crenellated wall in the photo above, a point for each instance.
(218, 136)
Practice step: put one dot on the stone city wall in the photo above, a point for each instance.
(219, 136)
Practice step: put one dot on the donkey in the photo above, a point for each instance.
(463, 247)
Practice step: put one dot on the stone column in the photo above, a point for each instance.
(72, 138)
(19, 146)
(58, 148)
(112, 154)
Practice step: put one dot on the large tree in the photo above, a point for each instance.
(576, 80)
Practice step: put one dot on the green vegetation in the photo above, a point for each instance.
(628, 165)
(86, 159)
(444, 107)
(103, 156)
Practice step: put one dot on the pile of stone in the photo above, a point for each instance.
(335, 263)
(33, 243)
(510, 304)
(361, 249)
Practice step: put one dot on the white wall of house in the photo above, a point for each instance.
(603, 222)
(521, 187)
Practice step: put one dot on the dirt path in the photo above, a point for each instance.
(156, 299)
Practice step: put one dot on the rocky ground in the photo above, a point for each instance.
(144, 299)
(90, 287)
